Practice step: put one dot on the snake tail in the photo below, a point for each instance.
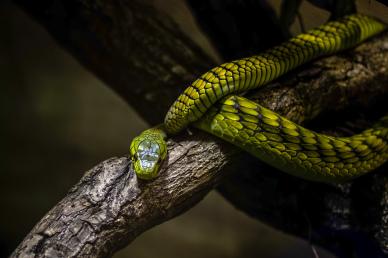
(248, 73)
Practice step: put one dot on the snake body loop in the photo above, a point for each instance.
(263, 133)
(294, 149)
(252, 72)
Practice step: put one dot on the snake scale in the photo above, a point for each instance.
(261, 132)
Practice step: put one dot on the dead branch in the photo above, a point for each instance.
(143, 55)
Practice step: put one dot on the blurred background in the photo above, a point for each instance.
(51, 113)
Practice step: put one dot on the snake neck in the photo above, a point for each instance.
(252, 72)
(159, 130)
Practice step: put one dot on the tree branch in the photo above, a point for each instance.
(109, 207)
(229, 23)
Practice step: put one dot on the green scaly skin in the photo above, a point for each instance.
(265, 134)
(294, 149)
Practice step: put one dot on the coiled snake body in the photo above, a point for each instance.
(263, 133)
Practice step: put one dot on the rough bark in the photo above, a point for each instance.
(136, 50)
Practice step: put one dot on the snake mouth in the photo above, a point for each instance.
(146, 173)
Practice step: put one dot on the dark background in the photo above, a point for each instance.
(51, 113)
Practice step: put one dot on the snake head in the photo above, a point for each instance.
(148, 150)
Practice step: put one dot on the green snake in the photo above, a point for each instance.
(261, 132)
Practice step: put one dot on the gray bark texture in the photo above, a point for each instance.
(142, 55)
